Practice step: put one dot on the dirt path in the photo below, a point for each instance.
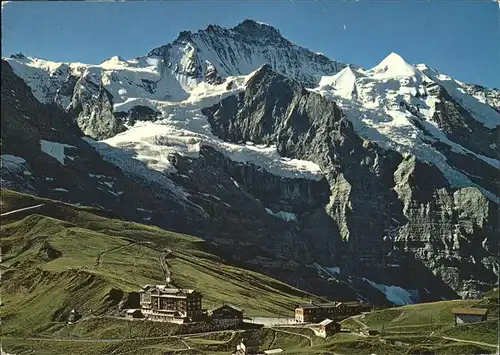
(357, 320)
(301, 335)
(271, 345)
(71, 340)
(117, 340)
(233, 334)
(472, 342)
(99, 261)
(21, 210)
(189, 335)
(185, 343)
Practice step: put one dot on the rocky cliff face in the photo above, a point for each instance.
(92, 105)
(212, 196)
(451, 231)
(403, 203)
(43, 154)
(457, 123)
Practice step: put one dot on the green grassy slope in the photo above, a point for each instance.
(486, 332)
(424, 317)
(493, 293)
(60, 257)
(423, 329)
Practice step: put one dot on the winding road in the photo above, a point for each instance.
(356, 319)
(99, 261)
(117, 340)
(471, 342)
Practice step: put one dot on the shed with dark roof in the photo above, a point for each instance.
(469, 315)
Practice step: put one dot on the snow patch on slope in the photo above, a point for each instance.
(267, 158)
(286, 216)
(11, 162)
(183, 129)
(395, 294)
(136, 165)
(479, 110)
(331, 272)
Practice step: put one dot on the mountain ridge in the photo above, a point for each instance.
(399, 149)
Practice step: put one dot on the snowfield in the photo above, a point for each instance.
(397, 295)
(480, 110)
(11, 162)
(371, 99)
(394, 294)
(286, 216)
(55, 150)
(183, 129)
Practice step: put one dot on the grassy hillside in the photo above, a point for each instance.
(424, 317)
(486, 332)
(493, 293)
(59, 257)
(429, 328)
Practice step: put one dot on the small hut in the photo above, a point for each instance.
(134, 314)
(469, 315)
(328, 327)
(73, 316)
(247, 347)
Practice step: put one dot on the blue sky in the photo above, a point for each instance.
(459, 38)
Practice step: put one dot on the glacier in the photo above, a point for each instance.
(173, 81)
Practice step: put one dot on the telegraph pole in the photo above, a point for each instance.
(130, 329)
(431, 321)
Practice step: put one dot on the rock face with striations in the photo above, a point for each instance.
(460, 127)
(379, 200)
(240, 50)
(93, 106)
(236, 222)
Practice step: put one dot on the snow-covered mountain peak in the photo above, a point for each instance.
(259, 30)
(343, 83)
(222, 52)
(393, 66)
(346, 76)
(248, 29)
(115, 62)
(114, 59)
